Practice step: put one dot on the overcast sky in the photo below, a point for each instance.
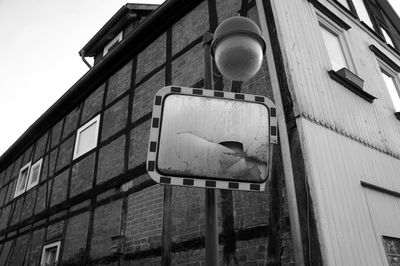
(39, 58)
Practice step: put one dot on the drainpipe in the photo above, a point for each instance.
(284, 141)
(82, 54)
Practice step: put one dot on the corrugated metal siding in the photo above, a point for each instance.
(317, 94)
(385, 214)
(335, 165)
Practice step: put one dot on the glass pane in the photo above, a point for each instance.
(50, 259)
(87, 139)
(334, 50)
(394, 95)
(34, 174)
(394, 261)
(215, 138)
(387, 37)
(22, 180)
(362, 12)
(344, 3)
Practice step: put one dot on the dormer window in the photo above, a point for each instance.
(112, 44)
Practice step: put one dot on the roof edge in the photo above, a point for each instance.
(169, 12)
(125, 9)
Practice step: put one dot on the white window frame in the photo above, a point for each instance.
(390, 72)
(31, 184)
(24, 168)
(49, 246)
(330, 26)
(95, 120)
(116, 39)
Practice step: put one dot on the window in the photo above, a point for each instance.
(344, 3)
(112, 44)
(392, 248)
(50, 254)
(334, 49)
(387, 37)
(391, 83)
(357, 7)
(34, 174)
(362, 12)
(335, 43)
(22, 180)
(86, 137)
(342, 67)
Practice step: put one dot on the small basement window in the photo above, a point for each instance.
(86, 137)
(22, 180)
(392, 248)
(112, 44)
(34, 174)
(50, 254)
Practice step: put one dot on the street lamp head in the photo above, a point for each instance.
(238, 48)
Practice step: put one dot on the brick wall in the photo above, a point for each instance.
(59, 191)
(29, 204)
(76, 235)
(5, 252)
(252, 252)
(92, 104)
(65, 153)
(145, 219)
(82, 175)
(107, 223)
(138, 148)
(187, 213)
(56, 133)
(151, 57)
(144, 95)
(114, 119)
(5, 214)
(119, 82)
(41, 199)
(36, 247)
(17, 207)
(111, 160)
(71, 122)
(55, 230)
(18, 254)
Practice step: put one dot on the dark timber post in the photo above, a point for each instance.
(211, 194)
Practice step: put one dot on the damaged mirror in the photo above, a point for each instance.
(216, 138)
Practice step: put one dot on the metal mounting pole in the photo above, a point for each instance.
(211, 194)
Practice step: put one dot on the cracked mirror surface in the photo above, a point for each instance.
(215, 138)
